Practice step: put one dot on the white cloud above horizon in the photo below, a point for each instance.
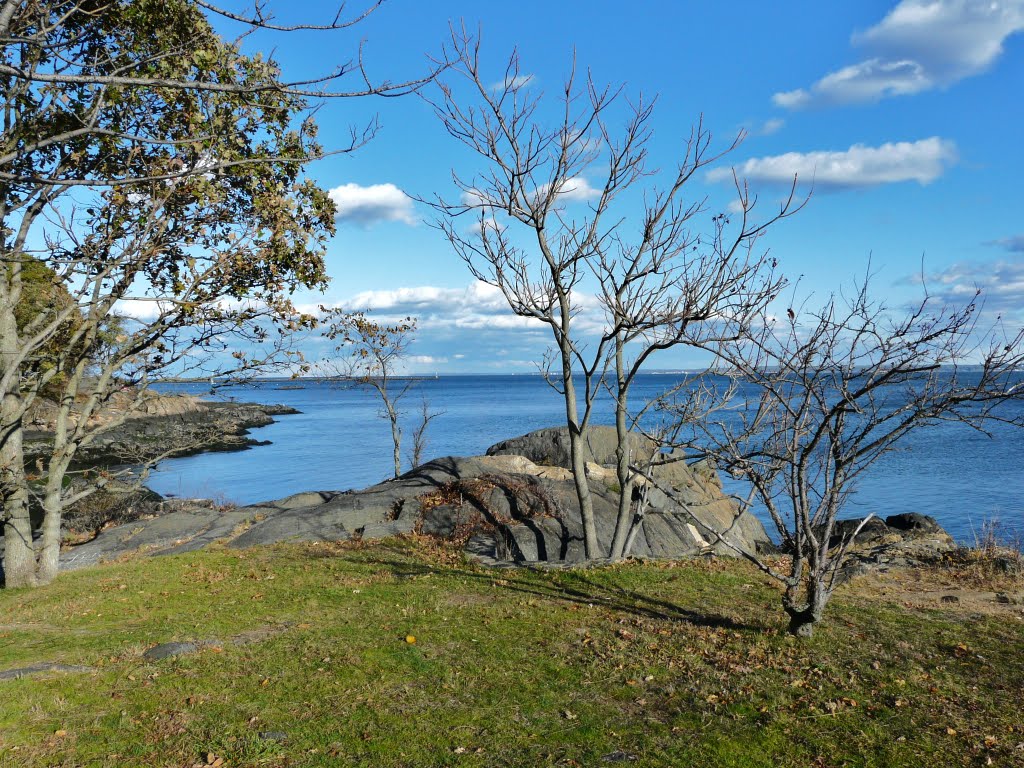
(365, 206)
(1001, 284)
(920, 45)
(859, 166)
(478, 306)
(426, 360)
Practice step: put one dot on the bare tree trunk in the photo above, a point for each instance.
(803, 616)
(579, 464)
(622, 472)
(19, 553)
(396, 435)
(49, 552)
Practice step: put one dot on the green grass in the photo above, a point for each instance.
(673, 664)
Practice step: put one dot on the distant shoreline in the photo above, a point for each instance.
(431, 377)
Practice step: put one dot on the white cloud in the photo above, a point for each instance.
(478, 295)
(918, 46)
(426, 360)
(577, 190)
(483, 223)
(768, 127)
(512, 83)
(1014, 244)
(1001, 284)
(859, 166)
(478, 306)
(573, 190)
(142, 310)
(867, 81)
(368, 205)
(474, 198)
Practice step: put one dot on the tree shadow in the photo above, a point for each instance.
(582, 591)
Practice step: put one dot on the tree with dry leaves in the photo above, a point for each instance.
(155, 172)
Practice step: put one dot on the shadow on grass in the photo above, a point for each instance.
(574, 587)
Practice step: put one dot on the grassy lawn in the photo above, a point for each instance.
(400, 654)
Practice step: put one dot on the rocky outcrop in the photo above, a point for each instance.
(686, 503)
(181, 425)
(503, 507)
(550, 446)
(899, 541)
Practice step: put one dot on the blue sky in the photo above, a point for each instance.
(908, 114)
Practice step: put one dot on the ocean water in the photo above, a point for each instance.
(339, 441)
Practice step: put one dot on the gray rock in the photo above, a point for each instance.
(913, 521)
(904, 541)
(40, 669)
(169, 650)
(874, 530)
(386, 530)
(550, 446)
(204, 426)
(186, 528)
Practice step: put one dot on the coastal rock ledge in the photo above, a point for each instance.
(172, 425)
(515, 505)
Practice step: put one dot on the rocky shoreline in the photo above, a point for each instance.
(175, 426)
(515, 506)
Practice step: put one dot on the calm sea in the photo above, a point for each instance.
(339, 441)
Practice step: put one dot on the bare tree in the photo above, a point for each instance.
(156, 172)
(419, 432)
(373, 355)
(535, 240)
(675, 287)
(805, 405)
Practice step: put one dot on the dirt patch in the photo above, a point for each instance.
(943, 590)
